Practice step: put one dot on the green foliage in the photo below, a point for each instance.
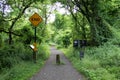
(13, 54)
(99, 63)
(62, 30)
(1, 41)
(66, 40)
(97, 23)
(115, 70)
(27, 34)
(43, 51)
(22, 71)
(109, 11)
(18, 58)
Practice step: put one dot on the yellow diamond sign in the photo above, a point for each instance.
(35, 19)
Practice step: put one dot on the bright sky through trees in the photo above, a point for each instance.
(57, 7)
(52, 9)
(4, 7)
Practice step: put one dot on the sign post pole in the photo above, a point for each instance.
(35, 35)
(34, 52)
(35, 19)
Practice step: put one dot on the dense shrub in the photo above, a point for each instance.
(12, 54)
(99, 63)
(43, 51)
(16, 65)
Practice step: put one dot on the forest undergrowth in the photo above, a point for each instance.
(17, 63)
(99, 63)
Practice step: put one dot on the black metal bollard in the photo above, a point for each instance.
(81, 55)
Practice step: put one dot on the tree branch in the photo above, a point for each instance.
(8, 19)
(78, 5)
(2, 30)
(20, 15)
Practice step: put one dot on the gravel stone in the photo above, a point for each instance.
(52, 71)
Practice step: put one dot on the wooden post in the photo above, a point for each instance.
(57, 59)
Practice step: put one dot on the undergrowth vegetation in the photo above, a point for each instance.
(99, 63)
(17, 63)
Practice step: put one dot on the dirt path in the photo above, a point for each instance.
(51, 71)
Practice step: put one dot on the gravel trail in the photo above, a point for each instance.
(52, 71)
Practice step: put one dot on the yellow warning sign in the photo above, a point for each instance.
(35, 19)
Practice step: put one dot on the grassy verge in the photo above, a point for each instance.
(25, 69)
(99, 63)
(22, 71)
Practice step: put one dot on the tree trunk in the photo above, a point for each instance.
(10, 37)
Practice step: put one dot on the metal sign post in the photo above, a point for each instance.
(35, 49)
(80, 45)
(35, 19)
(35, 38)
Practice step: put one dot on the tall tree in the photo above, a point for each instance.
(99, 31)
(16, 10)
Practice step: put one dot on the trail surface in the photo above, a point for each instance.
(51, 71)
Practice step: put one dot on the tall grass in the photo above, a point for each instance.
(16, 61)
(99, 63)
